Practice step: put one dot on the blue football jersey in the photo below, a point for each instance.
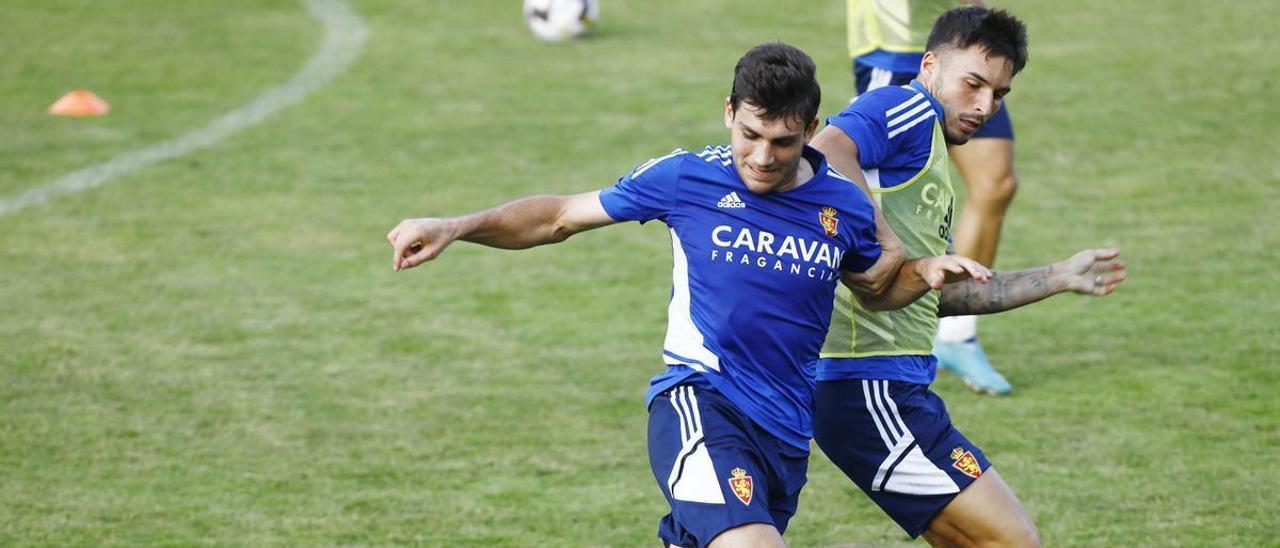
(753, 278)
(893, 128)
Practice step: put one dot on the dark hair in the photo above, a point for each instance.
(997, 31)
(778, 79)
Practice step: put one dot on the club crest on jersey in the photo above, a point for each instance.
(741, 485)
(965, 462)
(829, 220)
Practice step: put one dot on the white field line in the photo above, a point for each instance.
(344, 38)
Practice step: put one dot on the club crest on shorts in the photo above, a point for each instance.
(965, 462)
(741, 485)
(829, 220)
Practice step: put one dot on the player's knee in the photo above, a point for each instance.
(1001, 188)
(754, 535)
(1033, 537)
(1005, 187)
(1016, 537)
(1029, 538)
(994, 193)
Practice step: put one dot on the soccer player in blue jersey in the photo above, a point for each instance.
(761, 233)
(875, 416)
(886, 42)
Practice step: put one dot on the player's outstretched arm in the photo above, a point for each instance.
(521, 224)
(842, 154)
(1090, 272)
(918, 276)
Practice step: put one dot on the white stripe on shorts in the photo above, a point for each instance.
(685, 403)
(879, 78)
(875, 414)
(693, 476)
(879, 394)
(693, 405)
(893, 408)
(914, 473)
(684, 427)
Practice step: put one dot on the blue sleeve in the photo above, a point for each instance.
(865, 250)
(647, 193)
(866, 125)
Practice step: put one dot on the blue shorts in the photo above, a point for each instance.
(896, 442)
(867, 77)
(717, 468)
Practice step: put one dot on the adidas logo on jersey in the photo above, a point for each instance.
(731, 201)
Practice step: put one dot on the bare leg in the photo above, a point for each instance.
(987, 514)
(987, 168)
(939, 541)
(752, 535)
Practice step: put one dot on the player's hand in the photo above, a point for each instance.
(416, 241)
(1093, 271)
(950, 268)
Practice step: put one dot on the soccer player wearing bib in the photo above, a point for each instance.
(761, 233)
(886, 43)
(875, 416)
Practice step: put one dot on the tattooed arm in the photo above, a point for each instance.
(1090, 272)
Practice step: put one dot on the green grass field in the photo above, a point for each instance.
(214, 350)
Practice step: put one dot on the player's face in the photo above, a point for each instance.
(969, 84)
(766, 152)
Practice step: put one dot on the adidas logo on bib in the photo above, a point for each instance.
(731, 201)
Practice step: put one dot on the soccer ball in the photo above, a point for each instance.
(558, 20)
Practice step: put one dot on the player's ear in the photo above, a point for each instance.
(810, 131)
(728, 112)
(929, 66)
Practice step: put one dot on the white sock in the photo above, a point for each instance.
(957, 328)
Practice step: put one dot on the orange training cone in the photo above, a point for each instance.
(81, 102)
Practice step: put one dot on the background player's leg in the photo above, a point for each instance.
(987, 168)
(986, 164)
(986, 514)
(752, 535)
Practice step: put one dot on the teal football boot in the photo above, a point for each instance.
(968, 361)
